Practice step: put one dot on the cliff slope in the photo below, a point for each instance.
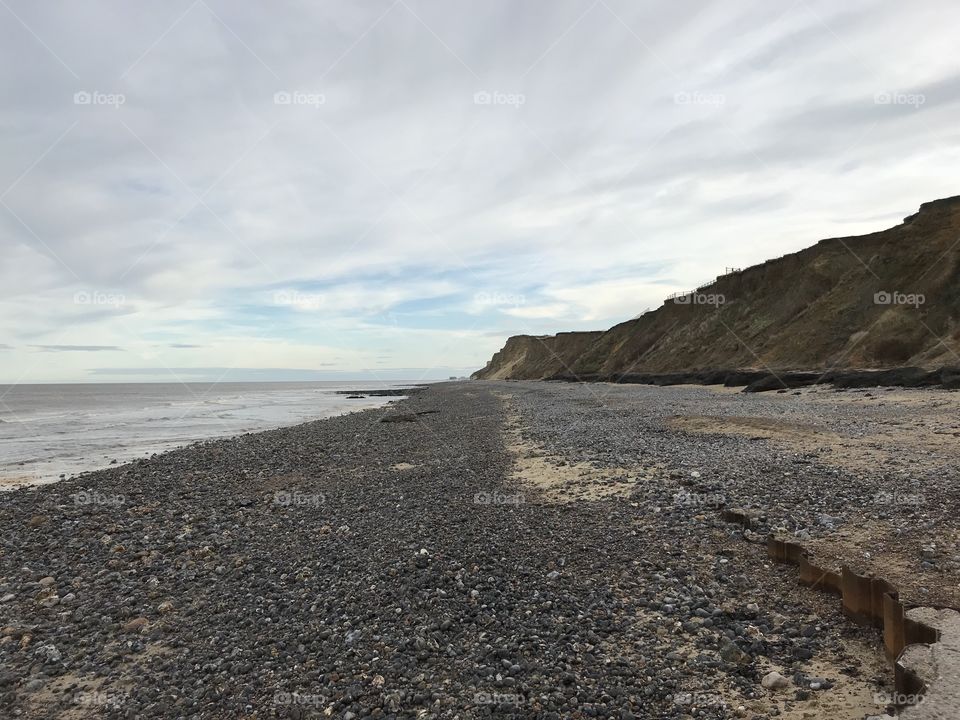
(886, 299)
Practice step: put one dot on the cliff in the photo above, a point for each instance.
(886, 299)
(529, 357)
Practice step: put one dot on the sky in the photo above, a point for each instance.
(207, 189)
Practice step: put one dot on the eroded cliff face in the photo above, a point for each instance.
(529, 357)
(887, 299)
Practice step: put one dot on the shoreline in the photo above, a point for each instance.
(486, 556)
(43, 471)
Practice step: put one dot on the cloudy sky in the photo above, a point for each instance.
(202, 189)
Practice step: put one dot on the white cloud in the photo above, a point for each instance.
(591, 201)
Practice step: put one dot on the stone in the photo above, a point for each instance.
(731, 653)
(774, 681)
(136, 625)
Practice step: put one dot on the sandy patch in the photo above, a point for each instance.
(855, 453)
(279, 482)
(86, 699)
(851, 698)
(12, 482)
(752, 426)
(557, 480)
(895, 555)
(919, 428)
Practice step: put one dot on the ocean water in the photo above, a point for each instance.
(49, 430)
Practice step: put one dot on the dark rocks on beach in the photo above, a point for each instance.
(388, 392)
(783, 382)
(293, 573)
(754, 381)
(405, 417)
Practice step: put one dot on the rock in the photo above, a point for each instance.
(340, 600)
(48, 652)
(730, 653)
(47, 581)
(136, 625)
(774, 681)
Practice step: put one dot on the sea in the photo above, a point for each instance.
(53, 431)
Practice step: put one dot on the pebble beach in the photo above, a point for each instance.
(479, 549)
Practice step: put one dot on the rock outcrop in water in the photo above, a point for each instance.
(887, 299)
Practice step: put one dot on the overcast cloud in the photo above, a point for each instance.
(397, 186)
